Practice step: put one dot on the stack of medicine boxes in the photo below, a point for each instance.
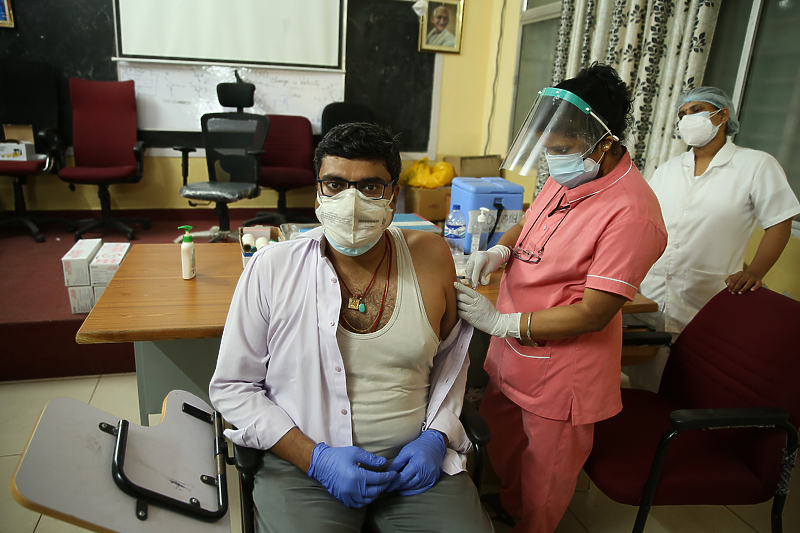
(88, 267)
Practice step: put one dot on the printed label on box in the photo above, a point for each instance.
(81, 299)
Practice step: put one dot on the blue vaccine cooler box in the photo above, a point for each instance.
(496, 194)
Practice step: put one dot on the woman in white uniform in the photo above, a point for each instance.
(711, 198)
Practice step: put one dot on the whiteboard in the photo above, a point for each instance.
(173, 97)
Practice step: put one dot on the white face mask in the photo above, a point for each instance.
(697, 129)
(352, 222)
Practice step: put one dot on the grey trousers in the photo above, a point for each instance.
(289, 501)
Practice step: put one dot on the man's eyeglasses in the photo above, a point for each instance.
(371, 189)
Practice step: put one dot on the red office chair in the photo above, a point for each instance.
(734, 370)
(105, 146)
(287, 163)
(29, 95)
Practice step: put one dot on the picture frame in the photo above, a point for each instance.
(440, 27)
(6, 15)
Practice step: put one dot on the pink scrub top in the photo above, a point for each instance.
(604, 235)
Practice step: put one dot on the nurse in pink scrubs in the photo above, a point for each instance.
(580, 252)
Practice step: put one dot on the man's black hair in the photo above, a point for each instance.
(361, 140)
(601, 87)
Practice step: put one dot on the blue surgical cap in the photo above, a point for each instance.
(715, 97)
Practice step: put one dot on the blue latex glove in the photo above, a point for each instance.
(339, 471)
(419, 464)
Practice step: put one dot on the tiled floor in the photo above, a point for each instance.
(589, 512)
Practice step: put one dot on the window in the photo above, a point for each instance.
(540, 23)
(761, 35)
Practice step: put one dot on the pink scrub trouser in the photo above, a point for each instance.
(537, 460)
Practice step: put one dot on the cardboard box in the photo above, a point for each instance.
(271, 233)
(23, 151)
(430, 204)
(478, 166)
(81, 299)
(75, 263)
(18, 132)
(106, 262)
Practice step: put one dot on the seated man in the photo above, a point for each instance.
(332, 359)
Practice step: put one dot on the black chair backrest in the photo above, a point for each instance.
(230, 140)
(29, 95)
(343, 113)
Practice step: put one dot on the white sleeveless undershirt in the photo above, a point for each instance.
(388, 371)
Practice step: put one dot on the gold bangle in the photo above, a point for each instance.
(529, 326)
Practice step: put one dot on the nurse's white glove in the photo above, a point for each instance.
(478, 310)
(481, 264)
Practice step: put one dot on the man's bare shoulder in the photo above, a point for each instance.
(430, 247)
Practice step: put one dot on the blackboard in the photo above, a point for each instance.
(384, 70)
(75, 37)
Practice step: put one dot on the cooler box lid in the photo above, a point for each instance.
(487, 186)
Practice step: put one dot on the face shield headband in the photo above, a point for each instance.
(560, 123)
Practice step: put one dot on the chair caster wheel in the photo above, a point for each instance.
(146, 225)
(38, 238)
(131, 235)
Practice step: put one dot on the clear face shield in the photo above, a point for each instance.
(559, 123)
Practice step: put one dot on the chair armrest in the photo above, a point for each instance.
(246, 459)
(54, 145)
(740, 417)
(138, 153)
(185, 151)
(646, 338)
(475, 426)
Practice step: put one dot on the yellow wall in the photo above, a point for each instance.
(784, 277)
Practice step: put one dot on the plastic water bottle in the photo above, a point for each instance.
(455, 230)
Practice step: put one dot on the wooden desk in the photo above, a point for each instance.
(176, 324)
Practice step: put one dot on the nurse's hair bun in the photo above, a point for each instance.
(601, 87)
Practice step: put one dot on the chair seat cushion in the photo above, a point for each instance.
(219, 191)
(97, 175)
(285, 177)
(21, 168)
(700, 467)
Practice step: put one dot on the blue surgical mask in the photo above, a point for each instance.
(572, 170)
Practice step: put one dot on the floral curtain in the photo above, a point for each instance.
(658, 47)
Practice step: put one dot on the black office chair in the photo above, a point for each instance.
(337, 113)
(29, 96)
(233, 142)
(247, 462)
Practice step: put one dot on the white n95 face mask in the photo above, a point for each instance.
(697, 129)
(353, 223)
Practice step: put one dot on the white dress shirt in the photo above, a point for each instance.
(710, 219)
(280, 366)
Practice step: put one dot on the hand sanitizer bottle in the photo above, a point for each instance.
(187, 254)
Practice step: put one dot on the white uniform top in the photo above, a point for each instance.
(710, 219)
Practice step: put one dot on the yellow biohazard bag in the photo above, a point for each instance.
(421, 174)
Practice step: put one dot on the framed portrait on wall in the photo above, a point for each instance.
(6, 17)
(440, 27)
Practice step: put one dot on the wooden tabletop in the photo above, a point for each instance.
(147, 300)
